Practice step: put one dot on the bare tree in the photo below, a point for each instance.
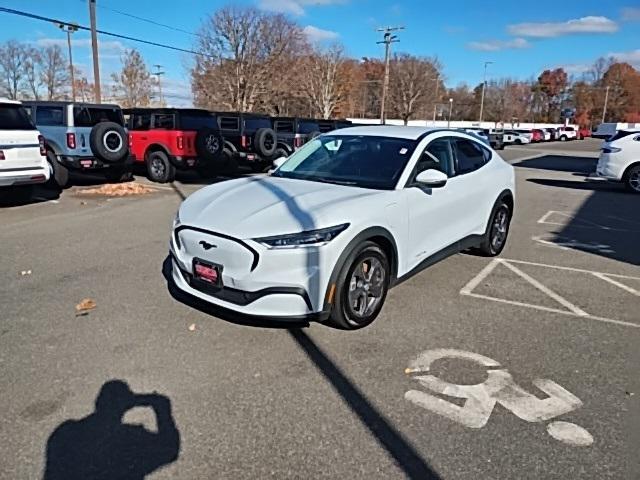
(55, 72)
(32, 67)
(324, 85)
(12, 60)
(244, 53)
(133, 86)
(413, 81)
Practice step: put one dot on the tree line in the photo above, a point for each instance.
(250, 60)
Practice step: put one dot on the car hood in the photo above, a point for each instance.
(264, 206)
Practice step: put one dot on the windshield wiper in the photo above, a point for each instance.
(334, 181)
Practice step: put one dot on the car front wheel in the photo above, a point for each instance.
(361, 288)
(632, 180)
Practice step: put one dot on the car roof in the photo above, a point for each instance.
(244, 114)
(66, 102)
(165, 110)
(397, 131)
(7, 100)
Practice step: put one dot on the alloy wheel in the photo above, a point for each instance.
(366, 287)
(157, 167)
(499, 228)
(634, 180)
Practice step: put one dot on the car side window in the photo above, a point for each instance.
(163, 121)
(229, 123)
(470, 156)
(141, 122)
(437, 156)
(49, 116)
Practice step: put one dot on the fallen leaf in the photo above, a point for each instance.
(25, 272)
(192, 327)
(118, 190)
(85, 305)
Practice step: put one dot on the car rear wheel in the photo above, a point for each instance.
(159, 168)
(59, 174)
(495, 237)
(361, 288)
(632, 180)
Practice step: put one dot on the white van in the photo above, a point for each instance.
(23, 160)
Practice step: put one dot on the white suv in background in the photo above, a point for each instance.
(567, 133)
(620, 159)
(23, 159)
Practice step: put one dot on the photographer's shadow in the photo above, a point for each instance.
(100, 446)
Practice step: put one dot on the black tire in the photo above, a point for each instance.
(109, 142)
(16, 195)
(209, 144)
(518, 141)
(563, 138)
(119, 174)
(265, 142)
(279, 153)
(344, 313)
(632, 179)
(495, 236)
(159, 167)
(60, 174)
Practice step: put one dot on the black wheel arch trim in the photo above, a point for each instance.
(253, 251)
(363, 236)
(504, 194)
(230, 146)
(154, 147)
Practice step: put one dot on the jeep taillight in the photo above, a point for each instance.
(43, 150)
(244, 141)
(180, 142)
(71, 140)
(298, 142)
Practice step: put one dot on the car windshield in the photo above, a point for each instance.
(197, 121)
(14, 117)
(361, 161)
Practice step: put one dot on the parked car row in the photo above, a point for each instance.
(105, 139)
(522, 136)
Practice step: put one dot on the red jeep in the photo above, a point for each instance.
(166, 139)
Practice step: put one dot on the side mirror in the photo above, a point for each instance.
(432, 178)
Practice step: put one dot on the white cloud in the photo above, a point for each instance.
(495, 45)
(575, 68)
(630, 14)
(315, 34)
(591, 24)
(293, 7)
(109, 46)
(631, 57)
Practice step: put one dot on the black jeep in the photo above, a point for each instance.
(293, 132)
(249, 139)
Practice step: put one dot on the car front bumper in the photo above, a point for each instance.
(77, 162)
(256, 281)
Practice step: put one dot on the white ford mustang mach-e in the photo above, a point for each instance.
(344, 218)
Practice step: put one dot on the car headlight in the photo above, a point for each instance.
(307, 238)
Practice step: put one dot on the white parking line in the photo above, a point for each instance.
(566, 243)
(582, 223)
(572, 310)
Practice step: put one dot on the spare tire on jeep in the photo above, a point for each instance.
(209, 145)
(265, 142)
(109, 141)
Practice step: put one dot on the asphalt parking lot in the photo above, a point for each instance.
(552, 326)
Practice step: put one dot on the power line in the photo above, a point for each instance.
(102, 32)
(148, 20)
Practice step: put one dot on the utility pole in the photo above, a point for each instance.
(70, 29)
(606, 100)
(94, 48)
(435, 99)
(450, 110)
(158, 73)
(484, 85)
(388, 39)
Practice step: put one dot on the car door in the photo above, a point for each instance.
(472, 185)
(433, 213)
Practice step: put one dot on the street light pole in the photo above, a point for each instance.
(450, 110)
(387, 40)
(484, 85)
(606, 99)
(70, 29)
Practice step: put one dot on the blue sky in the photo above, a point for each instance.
(521, 37)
